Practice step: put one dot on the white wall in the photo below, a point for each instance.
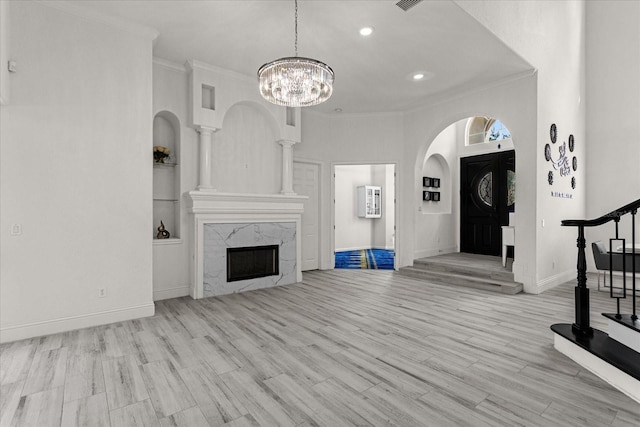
(550, 35)
(75, 174)
(247, 158)
(405, 140)
(436, 229)
(384, 234)
(342, 138)
(171, 267)
(613, 113)
(353, 232)
(514, 103)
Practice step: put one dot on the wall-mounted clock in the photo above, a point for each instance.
(553, 133)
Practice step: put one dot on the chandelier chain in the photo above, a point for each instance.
(295, 81)
(296, 28)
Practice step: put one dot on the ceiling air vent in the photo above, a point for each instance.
(407, 4)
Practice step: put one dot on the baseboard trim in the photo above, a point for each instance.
(612, 375)
(181, 291)
(552, 281)
(425, 253)
(355, 248)
(63, 324)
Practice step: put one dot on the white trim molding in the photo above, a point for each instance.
(551, 282)
(612, 375)
(180, 291)
(63, 324)
(210, 207)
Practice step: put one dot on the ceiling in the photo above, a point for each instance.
(372, 74)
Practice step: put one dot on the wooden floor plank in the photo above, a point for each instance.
(123, 382)
(139, 414)
(341, 348)
(91, 411)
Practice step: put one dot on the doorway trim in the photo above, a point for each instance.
(321, 203)
(396, 224)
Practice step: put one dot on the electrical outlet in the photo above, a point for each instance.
(102, 292)
(16, 229)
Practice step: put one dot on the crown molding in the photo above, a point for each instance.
(176, 66)
(460, 92)
(92, 16)
(192, 63)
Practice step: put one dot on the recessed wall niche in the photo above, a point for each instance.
(166, 176)
(438, 185)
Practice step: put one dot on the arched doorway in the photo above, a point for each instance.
(487, 186)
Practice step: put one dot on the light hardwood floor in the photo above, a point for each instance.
(343, 347)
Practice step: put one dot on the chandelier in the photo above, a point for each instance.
(295, 81)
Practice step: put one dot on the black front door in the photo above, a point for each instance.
(485, 200)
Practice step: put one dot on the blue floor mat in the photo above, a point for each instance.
(374, 259)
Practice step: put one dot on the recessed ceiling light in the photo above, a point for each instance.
(420, 76)
(366, 31)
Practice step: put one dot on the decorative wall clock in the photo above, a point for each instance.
(571, 143)
(563, 163)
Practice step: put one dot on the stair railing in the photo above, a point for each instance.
(582, 322)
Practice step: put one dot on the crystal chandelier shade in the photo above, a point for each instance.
(295, 81)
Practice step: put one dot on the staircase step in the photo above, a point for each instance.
(487, 267)
(625, 330)
(450, 278)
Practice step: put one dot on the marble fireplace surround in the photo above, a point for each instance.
(217, 213)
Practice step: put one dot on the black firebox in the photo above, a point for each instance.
(251, 262)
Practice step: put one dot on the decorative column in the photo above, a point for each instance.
(287, 166)
(206, 151)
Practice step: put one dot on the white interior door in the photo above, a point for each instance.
(306, 183)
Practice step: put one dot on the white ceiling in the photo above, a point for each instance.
(372, 73)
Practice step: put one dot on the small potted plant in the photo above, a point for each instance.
(160, 153)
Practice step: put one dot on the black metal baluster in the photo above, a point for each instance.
(634, 315)
(624, 269)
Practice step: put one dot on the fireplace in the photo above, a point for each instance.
(225, 220)
(252, 262)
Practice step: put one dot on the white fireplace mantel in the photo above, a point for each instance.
(213, 202)
(212, 207)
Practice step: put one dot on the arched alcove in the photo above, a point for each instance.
(438, 223)
(166, 176)
(248, 159)
(438, 185)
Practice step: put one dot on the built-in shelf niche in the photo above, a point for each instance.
(208, 97)
(166, 176)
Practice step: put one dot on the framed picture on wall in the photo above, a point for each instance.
(435, 182)
(426, 195)
(435, 196)
(426, 181)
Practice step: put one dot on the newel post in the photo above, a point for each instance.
(581, 326)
